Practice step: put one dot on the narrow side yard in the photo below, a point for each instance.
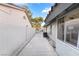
(38, 46)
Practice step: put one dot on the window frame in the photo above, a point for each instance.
(77, 44)
(60, 23)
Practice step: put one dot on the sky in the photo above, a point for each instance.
(39, 9)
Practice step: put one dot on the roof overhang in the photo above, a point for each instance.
(65, 11)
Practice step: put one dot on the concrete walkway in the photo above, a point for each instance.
(38, 46)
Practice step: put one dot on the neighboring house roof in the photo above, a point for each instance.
(11, 5)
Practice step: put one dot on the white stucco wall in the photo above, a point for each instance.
(65, 49)
(13, 30)
(48, 29)
(54, 31)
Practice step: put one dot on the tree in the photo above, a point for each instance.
(37, 19)
(36, 22)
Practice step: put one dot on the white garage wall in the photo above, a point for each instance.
(13, 30)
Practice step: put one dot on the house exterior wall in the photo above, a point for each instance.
(64, 48)
(53, 34)
(48, 29)
(54, 31)
(14, 29)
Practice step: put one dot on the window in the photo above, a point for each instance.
(72, 29)
(61, 29)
